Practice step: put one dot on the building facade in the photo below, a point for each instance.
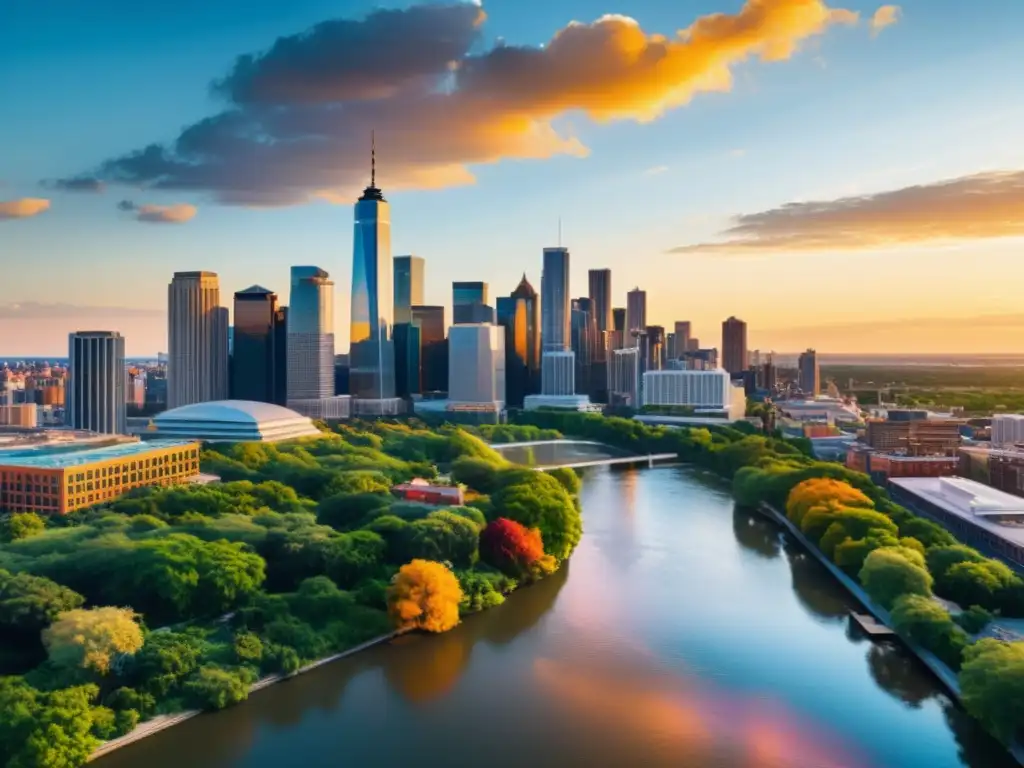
(555, 302)
(97, 377)
(1007, 429)
(734, 345)
(519, 315)
(471, 303)
(624, 377)
(808, 377)
(636, 313)
(408, 359)
(476, 366)
(310, 333)
(372, 354)
(408, 281)
(601, 297)
(197, 337)
(259, 360)
(709, 390)
(558, 373)
(433, 347)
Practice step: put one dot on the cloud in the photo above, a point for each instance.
(298, 116)
(76, 184)
(24, 208)
(656, 170)
(978, 207)
(159, 214)
(32, 310)
(885, 16)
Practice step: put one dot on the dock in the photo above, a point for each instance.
(871, 626)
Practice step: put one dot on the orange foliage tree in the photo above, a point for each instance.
(511, 547)
(822, 491)
(424, 595)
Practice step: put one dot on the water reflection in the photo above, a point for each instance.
(756, 534)
(899, 674)
(817, 591)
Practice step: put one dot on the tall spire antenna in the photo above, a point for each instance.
(373, 159)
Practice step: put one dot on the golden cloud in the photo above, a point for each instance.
(300, 113)
(979, 207)
(24, 208)
(884, 17)
(159, 214)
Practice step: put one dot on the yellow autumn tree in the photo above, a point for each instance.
(91, 638)
(425, 595)
(822, 491)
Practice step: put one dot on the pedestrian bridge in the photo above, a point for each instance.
(649, 459)
(573, 454)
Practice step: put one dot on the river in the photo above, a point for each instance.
(682, 632)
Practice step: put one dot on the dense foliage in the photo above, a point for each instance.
(425, 595)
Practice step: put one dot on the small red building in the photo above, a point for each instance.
(422, 491)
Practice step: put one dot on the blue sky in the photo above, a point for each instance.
(936, 96)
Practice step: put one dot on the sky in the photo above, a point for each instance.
(846, 176)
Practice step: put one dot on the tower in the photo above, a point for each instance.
(197, 362)
(96, 384)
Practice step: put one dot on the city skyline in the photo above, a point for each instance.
(817, 113)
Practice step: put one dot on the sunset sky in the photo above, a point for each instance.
(845, 176)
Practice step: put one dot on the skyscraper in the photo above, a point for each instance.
(477, 365)
(617, 335)
(584, 332)
(683, 332)
(197, 360)
(95, 391)
(519, 314)
(624, 377)
(809, 379)
(310, 335)
(372, 375)
(433, 347)
(408, 286)
(470, 303)
(653, 348)
(408, 359)
(734, 345)
(601, 296)
(636, 312)
(558, 374)
(259, 362)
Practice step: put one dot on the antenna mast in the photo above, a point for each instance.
(373, 159)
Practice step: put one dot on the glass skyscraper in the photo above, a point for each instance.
(520, 316)
(310, 335)
(95, 390)
(258, 360)
(408, 286)
(554, 300)
(372, 357)
(469, 303)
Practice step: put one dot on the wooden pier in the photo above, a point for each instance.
(873, 628)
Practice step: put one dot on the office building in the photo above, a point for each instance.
(135, 391)
(470, 303)
(624, 377)
(23, 415)
(808, 378)
(372, 353)
(558, 364)
(476, 355)
(1007, 430)
(636, 313)
(259, 361)
(96, 382)
(58, 481)
(709, 393)
(310, 347)
(683, 333)
(433, 348)
(917, 437)
(558, 373)
(617, 335)
(408, 357)
(408, 281)
(197, 359)
(734, 346)
(519, 315)
(653, 348)
(584, 342)
(601, 297)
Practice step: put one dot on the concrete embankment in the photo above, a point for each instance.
(163, 722)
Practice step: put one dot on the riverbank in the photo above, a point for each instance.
(941, 671)
(163, 722)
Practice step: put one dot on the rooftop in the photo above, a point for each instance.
(41, 458)
(232, 411)
(971, 501)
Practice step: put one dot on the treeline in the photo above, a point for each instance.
(901, 560)
(182, 597)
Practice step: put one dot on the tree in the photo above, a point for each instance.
(511, 547)
(425, 595)
(480, 474)
(45, 728)
(248, 648)
(345, 511)
(891, 572)
(848, 523)
(164, 662)
(567, 478)
(817, 490)
(92, 638)
(992, 686)
(929, 624)
(444, 536)
(351, 557)
(216, 688)
(537, 500)
(21, 525)
(30, 603)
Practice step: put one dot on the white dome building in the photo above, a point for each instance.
(231, 421)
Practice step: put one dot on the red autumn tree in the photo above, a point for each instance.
(511, 547)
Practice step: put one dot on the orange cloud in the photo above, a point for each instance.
(159, 214)
(885, 16)
(24, 208)
(978, 207)
(299, 114)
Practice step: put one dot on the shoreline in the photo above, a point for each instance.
(163, 722)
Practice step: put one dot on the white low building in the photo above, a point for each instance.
(231, 421)
(704, 391)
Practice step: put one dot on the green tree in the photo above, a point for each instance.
(213, 688)
(248, 647)
(45, 729)
(21, 525)
(480, 474)
(444, 537)
(92, 638)
(927, 623)
(537, 500)
(891, 572)
(29, 603)
(992, 686)
(345, 511)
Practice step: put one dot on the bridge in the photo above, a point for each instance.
(530, 443)
(649, 459)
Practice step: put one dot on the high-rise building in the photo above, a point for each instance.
(408, 286)
(519, 314)
(654, 347)
(310, 335)
(96, 382)
(558, 373)
(624, 377)
(683, 333)
(601, 296)
(408, 359)
(617, 334)
(808, 378)
(470, 303)
(197, 362)
(433, 347)
(585, 337)
(734, 345)
(476, 366)
(259, 362)
(372, 354)
(636, 312)
(707, 391)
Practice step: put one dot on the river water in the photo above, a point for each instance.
(682, 633)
